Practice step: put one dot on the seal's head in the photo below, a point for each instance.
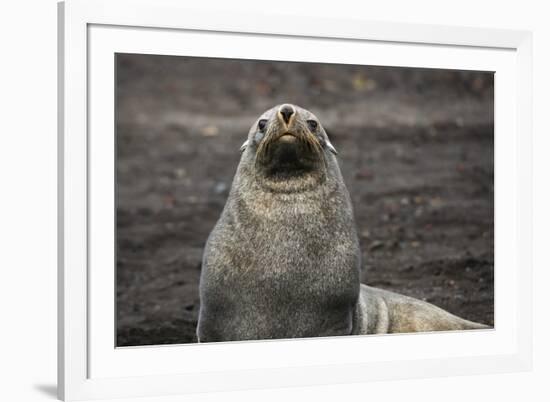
(288, 143)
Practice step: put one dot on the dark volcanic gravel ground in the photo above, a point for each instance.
(415, 147)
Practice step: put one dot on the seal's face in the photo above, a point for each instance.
(288, 142)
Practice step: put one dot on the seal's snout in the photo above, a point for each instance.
(286, 112)
(288, 145)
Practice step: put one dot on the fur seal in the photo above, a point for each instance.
(283, 260)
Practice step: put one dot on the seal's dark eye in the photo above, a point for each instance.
(312, 124)
(261, 124)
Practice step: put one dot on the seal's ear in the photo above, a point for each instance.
(329, 145)
(243, 147)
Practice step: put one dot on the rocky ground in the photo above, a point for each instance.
(415, 148)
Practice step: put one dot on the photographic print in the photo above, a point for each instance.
(272, 200)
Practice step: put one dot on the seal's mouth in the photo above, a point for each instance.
(289, 153)
(287, 137)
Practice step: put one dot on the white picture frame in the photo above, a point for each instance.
(90, 366)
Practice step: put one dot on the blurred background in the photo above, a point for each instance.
(415, 148)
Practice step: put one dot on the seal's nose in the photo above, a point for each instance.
(286, 112)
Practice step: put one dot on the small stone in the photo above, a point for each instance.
(180, 173)
(169, 201)
(364, 173)
(375, 245)
(220, 187)
(436, 202)
(210, 131)
(362, 83)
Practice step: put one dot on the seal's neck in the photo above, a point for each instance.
(283, 199)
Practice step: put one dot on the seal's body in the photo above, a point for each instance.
(283, 261)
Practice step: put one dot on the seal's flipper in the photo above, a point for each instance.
(388, 312)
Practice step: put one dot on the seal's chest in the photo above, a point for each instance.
(278, 268)
(299, 264)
